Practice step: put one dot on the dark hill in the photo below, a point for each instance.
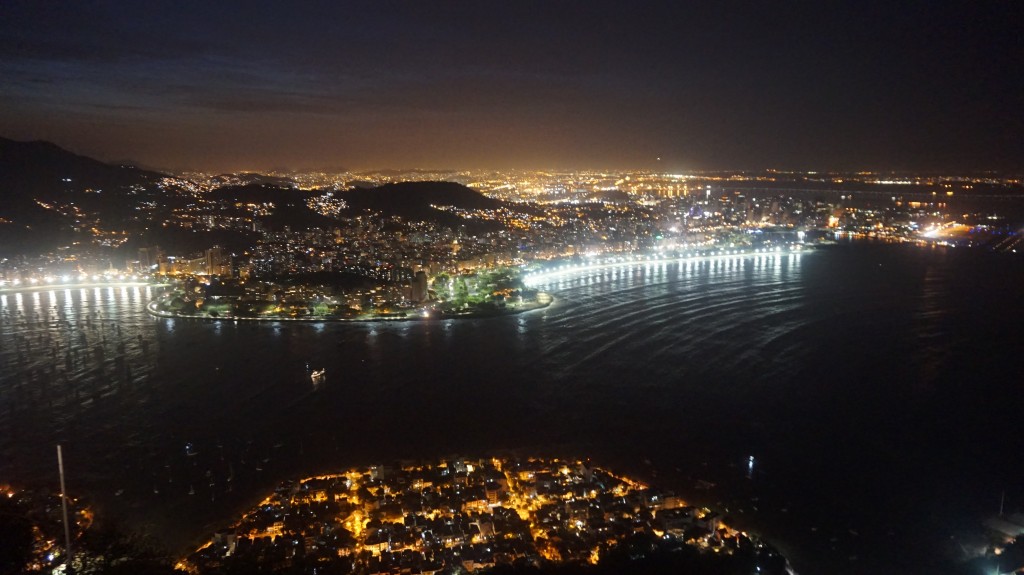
(257, 193)
(290, 208)
(413, 200)
(47, 192)
(42, 170)
(409, 200)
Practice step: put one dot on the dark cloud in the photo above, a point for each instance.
(547, 84)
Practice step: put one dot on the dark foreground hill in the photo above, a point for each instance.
(47, 193)
(43, 168)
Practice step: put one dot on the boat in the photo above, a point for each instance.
(318, 375)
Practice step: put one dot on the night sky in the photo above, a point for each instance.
(929, 85)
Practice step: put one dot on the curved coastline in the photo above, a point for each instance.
(567, 269)
(544, 300)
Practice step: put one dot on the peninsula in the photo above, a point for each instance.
(326, 297)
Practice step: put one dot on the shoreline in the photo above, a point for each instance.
(63, 286)
(568, 268)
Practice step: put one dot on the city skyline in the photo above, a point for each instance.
(566, 86)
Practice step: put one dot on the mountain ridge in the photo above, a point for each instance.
(53, 197)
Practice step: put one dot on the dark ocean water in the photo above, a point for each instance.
(877, 387)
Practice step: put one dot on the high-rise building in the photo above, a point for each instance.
(149, 258)
(217, 263)
(419, 287)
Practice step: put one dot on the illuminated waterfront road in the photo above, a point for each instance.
(725, 259)
(59, 285)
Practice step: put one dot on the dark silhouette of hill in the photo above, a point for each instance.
(26, 228)
(413, 201)
(42, 168)
(410, 197)
(290, 208)
(258, 193)
(40, 181)
(409, 200)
